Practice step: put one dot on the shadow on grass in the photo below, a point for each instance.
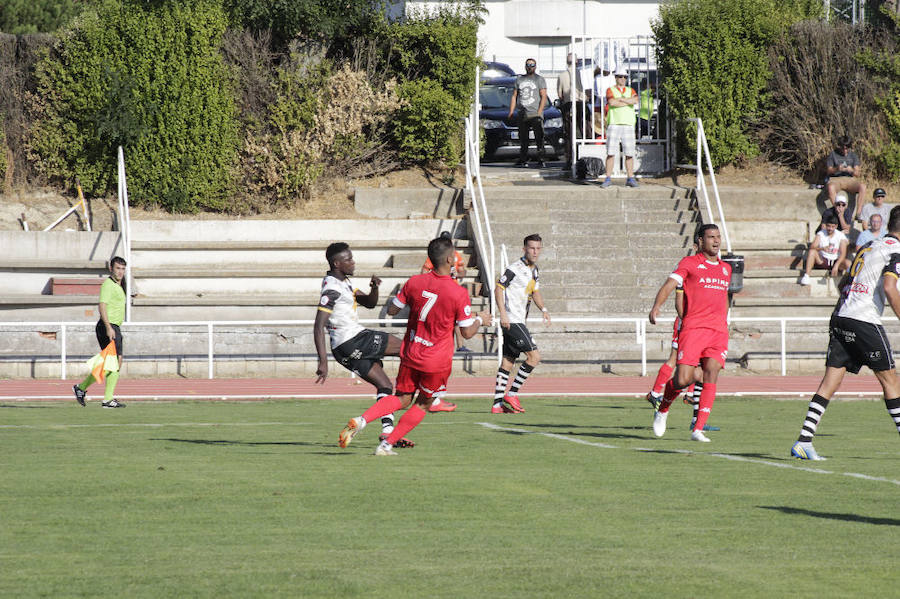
(591, 406)
(794, 511)
(223, 442)
(6, 405)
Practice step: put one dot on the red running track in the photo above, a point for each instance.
(460, 386)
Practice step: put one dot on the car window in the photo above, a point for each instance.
(495, 96)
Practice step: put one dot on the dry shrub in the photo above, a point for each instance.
(819, 91)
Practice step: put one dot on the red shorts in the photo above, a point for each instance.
(429, 384)
(696, 344)
(675, 330)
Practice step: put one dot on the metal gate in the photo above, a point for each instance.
(596, 59)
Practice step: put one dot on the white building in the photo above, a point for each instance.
(515, 30)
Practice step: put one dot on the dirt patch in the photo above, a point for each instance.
(333, 198)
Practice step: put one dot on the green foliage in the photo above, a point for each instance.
(3, 152)
(713, 65)
(885, 66)
(426, 128)
(331, 22)
(149, 76)
(33, 16)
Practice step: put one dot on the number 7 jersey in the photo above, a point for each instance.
(436, 303)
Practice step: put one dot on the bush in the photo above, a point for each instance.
(148, 76)
(427, 126)
(819, 91)
(883, 63)
(33, 16)
(713, 65)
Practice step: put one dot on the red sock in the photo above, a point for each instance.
(384, 406)
(669, 395)
(707, 397)
(665, 373)
(410, 420)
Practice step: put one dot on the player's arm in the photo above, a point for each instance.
(369, 300)
(842, 255)
(397, 302)
(889, 280)
(482, 318)
(539, 302)
(512, 102)
(661, 296)
(104, 316)
(499, 290)
(319, 339)
(679, 302)
(543, 92)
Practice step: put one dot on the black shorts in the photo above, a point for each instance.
(362, 352)
(854, 343)
(517, 339)
(103, 339)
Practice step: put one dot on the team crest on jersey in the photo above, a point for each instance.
(724, 272)
(467, 310)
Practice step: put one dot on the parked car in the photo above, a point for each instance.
(493, 70)
(501, 135)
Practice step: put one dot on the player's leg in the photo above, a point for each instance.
(379, 379)
(384, 406)
(429, 386)
(683, 377)
(521, 338)
(80, 390)
(510, 353)
(891, 385)
(112, 376)
(711, 368)
(662, 377)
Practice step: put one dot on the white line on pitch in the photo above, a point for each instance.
(689, 452)
(149, 424)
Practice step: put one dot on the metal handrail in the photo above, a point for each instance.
(703, 152)
(125, 230)
(639, 323)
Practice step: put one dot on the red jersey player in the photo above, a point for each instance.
(436, 304)
(703, 339)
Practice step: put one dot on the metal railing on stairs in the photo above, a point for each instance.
(125, 231)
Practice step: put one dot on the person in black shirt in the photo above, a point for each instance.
(843, 174)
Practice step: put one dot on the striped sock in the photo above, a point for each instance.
(817, 407)
(662, 377)
(695, 401)
(893, 408)
(500, 386)
(521, 376)
(387, 421)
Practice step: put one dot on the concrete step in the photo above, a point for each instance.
(772, 260)
(786, 286)
(52, 265)
(252, 271)
(289, 244)
(757, 231)
(76, 286)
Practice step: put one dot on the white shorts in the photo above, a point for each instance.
(620, 134)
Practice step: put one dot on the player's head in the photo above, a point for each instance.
(532, 246)
(340, 258)
(709, 239)
(440, 252)
(117, 268)
(830, 223)
(894, 221)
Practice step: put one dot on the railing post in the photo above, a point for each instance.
(209, 332)
(783, 349)
(62, 351)
(642, 336)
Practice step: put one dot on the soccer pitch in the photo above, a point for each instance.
(573, 498)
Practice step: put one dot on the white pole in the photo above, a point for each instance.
(783, 349)
(62, 352)
(209, 332)
(642, 328)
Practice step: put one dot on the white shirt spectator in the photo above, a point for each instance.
(830, 245)
(869, 209)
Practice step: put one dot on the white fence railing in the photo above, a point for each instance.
(639, 324)
(125, 230)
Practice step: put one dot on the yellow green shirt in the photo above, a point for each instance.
(112, 294)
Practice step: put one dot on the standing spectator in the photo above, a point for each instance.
(571, 95)
(878, 206)
(457, 272)
(843, 173)
(515, 290)
(621, 100)
(874, 231)
(530, 98)
(435, 303)
(645, 113)
(828, 250)
(112, 313)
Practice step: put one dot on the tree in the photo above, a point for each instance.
(36, 16)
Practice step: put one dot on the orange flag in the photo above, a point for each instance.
(99, 371)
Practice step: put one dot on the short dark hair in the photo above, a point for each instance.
(117, 260)
(703, 229)
(445, 235)
(334, 249)
(532, 237)
(830, 219)
(844, 140)
(439, 249)
(894, 220)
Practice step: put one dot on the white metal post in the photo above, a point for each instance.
(62, 352)
(783, 349)
(209, 332)
(642, 339)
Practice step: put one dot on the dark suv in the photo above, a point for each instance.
(501, 135)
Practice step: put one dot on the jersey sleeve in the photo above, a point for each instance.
(106, 293)
(681, 271)
(506, 278)
(464, 316)
(328, 300)
(892, 266)
(402, 298)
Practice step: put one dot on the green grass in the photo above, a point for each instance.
(256, 500)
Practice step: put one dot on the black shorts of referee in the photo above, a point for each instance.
(103, 338)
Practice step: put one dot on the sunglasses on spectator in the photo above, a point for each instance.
(530, 64)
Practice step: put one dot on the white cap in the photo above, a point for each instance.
(620, 72)
(840, 197)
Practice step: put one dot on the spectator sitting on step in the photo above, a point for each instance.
(878, 206)
(828, 250)
(874, 231)
(843, 169)
(840, 214)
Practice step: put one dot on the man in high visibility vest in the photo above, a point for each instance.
(621, 100)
